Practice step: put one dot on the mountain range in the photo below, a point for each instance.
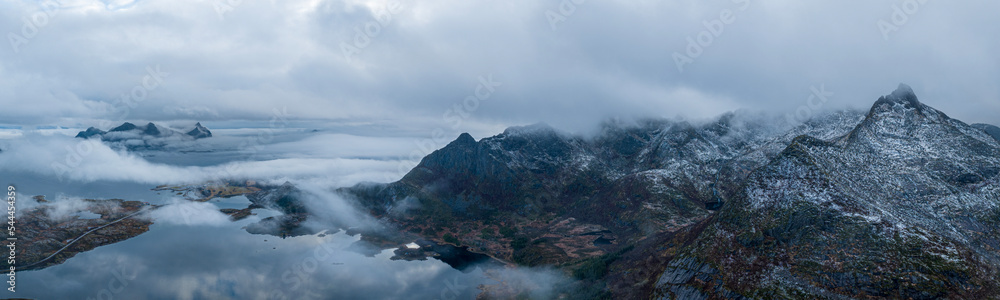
(899, 201)
(993, 131)
(148, 137)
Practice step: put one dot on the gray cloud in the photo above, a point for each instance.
(424, 72)
(603, 59)
(64, 158)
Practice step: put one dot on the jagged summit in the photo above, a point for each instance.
(529, 129)
(905, 92)
(903, 103)
(902, 117)
(149, 136)
(465, 139)
(903, 95)
(199, 131)
(124, 127)
(901, 201)
(90, 132)
(908, 177)
(151, 129)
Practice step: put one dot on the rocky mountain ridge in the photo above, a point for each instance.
(905, 205)
(991, 130)
(899, 200)
(148, 137)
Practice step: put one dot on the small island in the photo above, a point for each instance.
(51, 239)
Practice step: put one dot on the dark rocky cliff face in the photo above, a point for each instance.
(628, 182)
(905, 205)
(901, 200)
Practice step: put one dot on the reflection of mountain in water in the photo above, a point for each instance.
(459, 258)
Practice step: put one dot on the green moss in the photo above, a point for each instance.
(429, 231)
(435, 211)
(508, 232)
(487, 232)
(519, 243)
(592, 268)
(809, 266)
(525, 295)
(780, 292)
(597, 267)
(538, 252)
(448, 238)
(991, 218)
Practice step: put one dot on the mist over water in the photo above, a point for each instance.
(193, 251)
(220, 260)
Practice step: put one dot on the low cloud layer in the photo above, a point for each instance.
(185, 212)
(61, 208)
(415, 76)
(66, 158)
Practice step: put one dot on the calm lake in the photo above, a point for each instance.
(183, 259)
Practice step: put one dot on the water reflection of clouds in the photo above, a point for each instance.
(186, 212)
(208, 262)
(192, 251)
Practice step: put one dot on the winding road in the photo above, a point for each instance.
(83, 235)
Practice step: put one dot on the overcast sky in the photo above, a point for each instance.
(368, 62)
